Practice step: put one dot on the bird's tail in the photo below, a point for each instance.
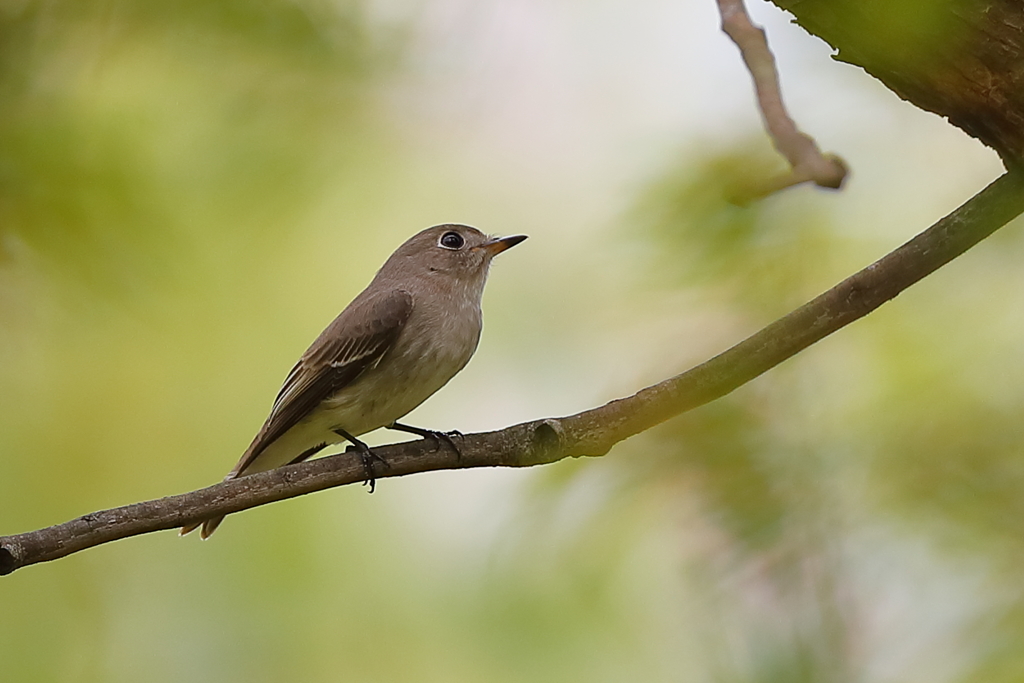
(248, 464)
(208, 527)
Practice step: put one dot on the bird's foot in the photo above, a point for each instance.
(448, 438)
(438, 437)
(368, 457)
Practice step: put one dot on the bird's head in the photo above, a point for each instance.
(448, 251)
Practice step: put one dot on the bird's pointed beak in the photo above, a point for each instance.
(499, 244)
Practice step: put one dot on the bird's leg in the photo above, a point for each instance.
(438, 437)
(366, 454)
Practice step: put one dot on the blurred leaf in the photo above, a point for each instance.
(130, 127)
(769, 256)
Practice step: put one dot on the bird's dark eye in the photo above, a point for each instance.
(452, 240)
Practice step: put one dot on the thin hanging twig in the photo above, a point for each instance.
(806, 160)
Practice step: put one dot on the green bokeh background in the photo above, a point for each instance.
(190, 191)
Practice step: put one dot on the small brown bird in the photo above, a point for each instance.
(409, 332)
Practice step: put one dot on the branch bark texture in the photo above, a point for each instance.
(590, 433)
(962, 59)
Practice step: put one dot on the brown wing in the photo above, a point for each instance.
(357, 339)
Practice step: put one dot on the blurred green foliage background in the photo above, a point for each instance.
(190, 191)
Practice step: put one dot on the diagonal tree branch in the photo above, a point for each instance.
(590, 433)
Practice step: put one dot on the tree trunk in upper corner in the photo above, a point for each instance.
(962, 59)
